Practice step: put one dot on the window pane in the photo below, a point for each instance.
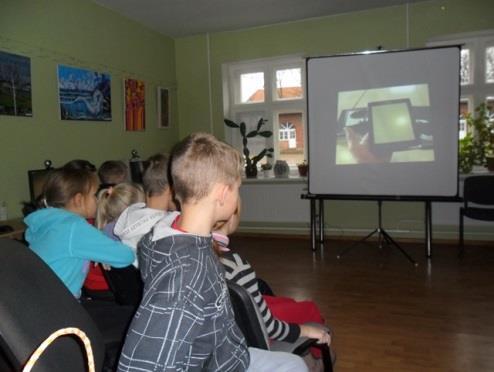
(289, 83)
(465, 69)
(291, 148)
(489, 65)
(490, 108)
(252, 87)
(464, 109)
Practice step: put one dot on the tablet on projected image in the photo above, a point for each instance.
(391, 126)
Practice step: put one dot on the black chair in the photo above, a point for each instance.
(250, 322)
(477, 190)
(125, 284)
(33, 304)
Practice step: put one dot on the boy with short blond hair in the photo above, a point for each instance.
(185, 321)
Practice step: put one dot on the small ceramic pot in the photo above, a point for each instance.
(303, 169)
(281, 169)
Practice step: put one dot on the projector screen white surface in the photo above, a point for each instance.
(384, 123)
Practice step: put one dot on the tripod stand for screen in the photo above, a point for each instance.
(382, 236)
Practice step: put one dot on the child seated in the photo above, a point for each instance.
(185, 320)
(138, 219)
(156, 185)
(111, 204)
(60, 234)
(125, 283)
(112, 173)
(285, 328)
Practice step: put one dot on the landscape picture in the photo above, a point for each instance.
(15, 85)
(84, 94)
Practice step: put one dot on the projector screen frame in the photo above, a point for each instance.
(378, 197)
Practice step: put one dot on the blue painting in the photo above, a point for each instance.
(15, 85)
(84, 94)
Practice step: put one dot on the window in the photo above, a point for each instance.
(489, 64)
(272, 89)
(476, 72)
(464, 109)
(288, 134)
(252, 87)
(465, 68)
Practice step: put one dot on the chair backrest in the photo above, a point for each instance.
(479, 190)
(126, 285)
(34, 303)
(249, 320)
(248, 317)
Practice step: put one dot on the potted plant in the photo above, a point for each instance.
(303, 168)
(477, 147)
(266, 167)
(251, 161)
(466, 155)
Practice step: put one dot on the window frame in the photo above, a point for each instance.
(272, 106)
(478, 90)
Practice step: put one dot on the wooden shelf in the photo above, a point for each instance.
(18, 226)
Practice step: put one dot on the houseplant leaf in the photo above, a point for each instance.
(265, 134)
(230, 123)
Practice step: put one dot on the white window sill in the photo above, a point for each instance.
(477, 171)
(273, 180)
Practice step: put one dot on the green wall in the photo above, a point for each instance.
(351, 32)
(322, 36)
(82, 34)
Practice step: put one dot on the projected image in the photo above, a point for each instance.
(388, 124)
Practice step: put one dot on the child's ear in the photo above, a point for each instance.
(222, 192)
(78, 200)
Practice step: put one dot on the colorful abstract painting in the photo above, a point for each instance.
(84, 94)
(134, 105)
(15, 85)
(163, 108)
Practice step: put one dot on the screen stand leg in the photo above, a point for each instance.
(382, 236)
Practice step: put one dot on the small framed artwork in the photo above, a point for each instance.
(134, 105)
(163, 107)
(15, 85)
(84, 94)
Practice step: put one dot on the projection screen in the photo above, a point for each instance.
(384, 123)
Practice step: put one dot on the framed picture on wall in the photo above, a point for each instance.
(134, 105)
(15, 85)
(163, 107)
(84, 94)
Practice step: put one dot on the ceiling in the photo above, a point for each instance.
(178, 18)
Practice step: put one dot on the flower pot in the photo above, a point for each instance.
(303, 170)
(281, 169)
(266, 173)
(251, 172)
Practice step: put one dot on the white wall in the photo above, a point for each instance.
(275, 206)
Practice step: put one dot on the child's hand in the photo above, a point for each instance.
(321, 335)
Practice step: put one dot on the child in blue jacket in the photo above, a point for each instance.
(60, 234)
